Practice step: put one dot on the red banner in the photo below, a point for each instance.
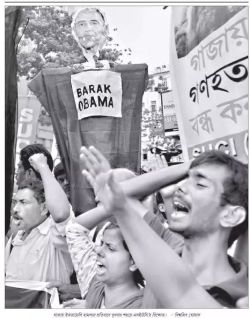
(117, 138)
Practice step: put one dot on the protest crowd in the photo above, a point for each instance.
(159, 239)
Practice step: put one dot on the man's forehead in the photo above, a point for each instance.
(25, 193)
(88, 15)
(112, 235)
(210, 171)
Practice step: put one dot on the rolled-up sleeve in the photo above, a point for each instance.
(83, 255)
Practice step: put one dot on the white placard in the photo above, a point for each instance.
(97, 93)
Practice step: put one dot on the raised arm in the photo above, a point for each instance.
(170, 280)
(139, 186)
(93, 217)
(153, 181)
(95, 163)
(56, 199)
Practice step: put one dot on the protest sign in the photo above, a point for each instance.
(97, 93)
(28, 113)
(210, 78)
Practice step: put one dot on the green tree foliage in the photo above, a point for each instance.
(46, 41)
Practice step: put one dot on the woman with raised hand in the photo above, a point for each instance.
(175, 281)
(106, 272)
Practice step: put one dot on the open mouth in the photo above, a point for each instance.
(100, 268)
(99, 264)
(16, 219)
(180, 207)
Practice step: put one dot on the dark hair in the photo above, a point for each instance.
(92, 9)
(176, 137)
(159, 198)
(36, 186)
(137, 275)
(235, 185)
(32, 149)
(59, 169)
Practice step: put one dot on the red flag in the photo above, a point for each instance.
(30, 294)
(117, 138)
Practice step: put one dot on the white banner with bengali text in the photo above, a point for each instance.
(209, 59)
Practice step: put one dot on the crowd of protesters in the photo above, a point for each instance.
(156, 240)
(183, 217)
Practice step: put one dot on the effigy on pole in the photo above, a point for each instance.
(93, 103)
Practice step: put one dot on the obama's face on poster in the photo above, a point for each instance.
(90, 29)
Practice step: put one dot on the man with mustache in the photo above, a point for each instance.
(39, 251)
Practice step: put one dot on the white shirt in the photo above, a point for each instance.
(42, 256)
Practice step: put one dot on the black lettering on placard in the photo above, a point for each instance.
(86, 103)
(96, 102)
(111, 102)
(94, 90)
(91, 88)
(107, 88)
(99, 88)
(84, 90)
(80, 105)
(79, 92)
(102, 102)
